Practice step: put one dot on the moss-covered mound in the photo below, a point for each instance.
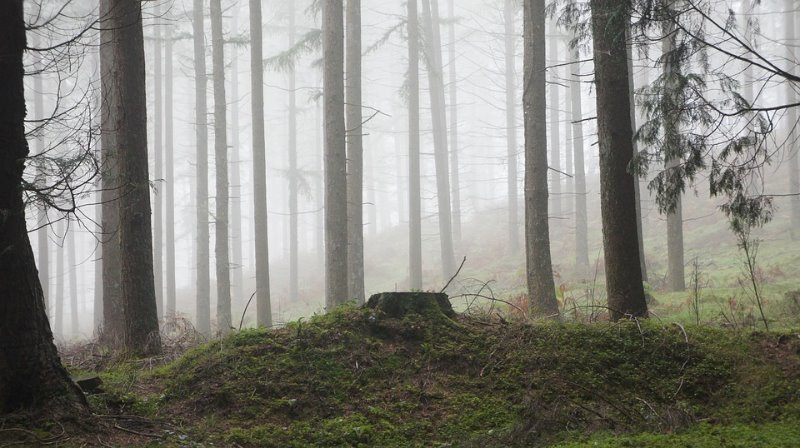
(357, 377)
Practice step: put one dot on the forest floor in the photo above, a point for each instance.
(356, 377)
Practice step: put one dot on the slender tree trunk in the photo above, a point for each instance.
(430, 12)
(455, 182)
(31, 375)
(113, 313)
(555, 123)
(610, 20)
(581, 215)
(335, 155)
(509, 15)
(636, 185)
(541, 286)
(97, 310)
(158, 155)
(135, 233)
(224, 321)
(203, 251)
(58, 303)
(73, 285)
(43, 246)
(569, 187)
(355, 154)
(293, 172)
(264, 309)
(236, 265)
(414, 193)
(319, 185)
(169, 166)
(791, 94)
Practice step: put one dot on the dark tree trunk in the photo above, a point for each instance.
(610, 20)
(414, 200)
(509, 16)
(264, 309)
(355, 154)
(43, 246)
(135, 232)
(541, 286)
(31, 375)
(336, 291)
(113, 315)
(203, 253)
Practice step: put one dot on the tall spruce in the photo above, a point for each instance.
(581, 214)
(509, 18)
(355, 154)
(414, 188)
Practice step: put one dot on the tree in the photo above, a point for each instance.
(263, 307)
(631, 98)
(73, 284)
(355, 154)
(790, 17)
(555, 135)
(169, 167)
(336, 284)
(31, 374)
(224, 321)
(509, 15)
(58, 303)
(581, 215)
(158, 164)
(135, 232)
(414, 200)
(201, 135)
(610, 20)
(539, 270)
(455, 182)
(293, 171)
(236, 267)
(43, 246)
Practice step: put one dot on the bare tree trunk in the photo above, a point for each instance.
(414, 201)
(355, 154)
(236, 267)
(158, 155)
(455, 182)
(135, 233)
(43, 246)
(293, 173)
(335, 155)
(636, 185)
(203, 252)
(264, 309)
(31, 375)
(555, 123)
(319, 185)
(169, 166)
(581, 215)
(224, 321)
(791, 94)
(97, 310)
(73, 285)
(61, 278)
(610, 20)
(509, 15)
(113, 313)
(539, 271)
(430, 13)
(569, 181)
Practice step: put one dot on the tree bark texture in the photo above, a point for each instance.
(581, 214)
(158, 164)
(414, 192)
(539, 270)
(556, 210)
(636, 185)
(236, 265)
(610, 20)
(509, 17)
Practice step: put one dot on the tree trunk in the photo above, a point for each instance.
(610, 20)
(569, 181)
(203, 283)
(355, 154)
(509, 16)
(224, 320)
(414, 200)
(158, 155)
(581, 215)
(293, 172)
(636, 185)
(113, 314)
(433, 58)
(455, 182)
(791, 95)
(73, 285)
(555, 123)
(263, 307)
(539, 271)
(97, 309)
(43, 246)
(31, 375)
(236, 266)
(58, 303)
(135, 233)
(336, 290)
(169, 166)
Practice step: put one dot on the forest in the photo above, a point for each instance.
(400, 223)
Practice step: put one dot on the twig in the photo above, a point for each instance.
(241, 322)
(143, 434)
(454, 275)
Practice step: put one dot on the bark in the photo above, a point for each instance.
(581, 215)
(336, 284)
(263, 307)
(135, 232)
(73, 285)
(539, 271)
(319, 185)
(158, 155)
(58, 303)
(433, 58)
(293, 173)
(610, 20)
(414, 200)
(221, 255)
(355, 154)
(790, 18)
(569, 181)
(97, 309)
(169, 167)
(555, 134)
(31, 375)
(203, 282)
(509, 14)
(455, 183)
(236, 267)
(636, 185)
(43, 246)
(113, 315)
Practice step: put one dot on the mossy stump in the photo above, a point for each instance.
(399, 304)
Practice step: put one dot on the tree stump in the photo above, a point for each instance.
(398, 304)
